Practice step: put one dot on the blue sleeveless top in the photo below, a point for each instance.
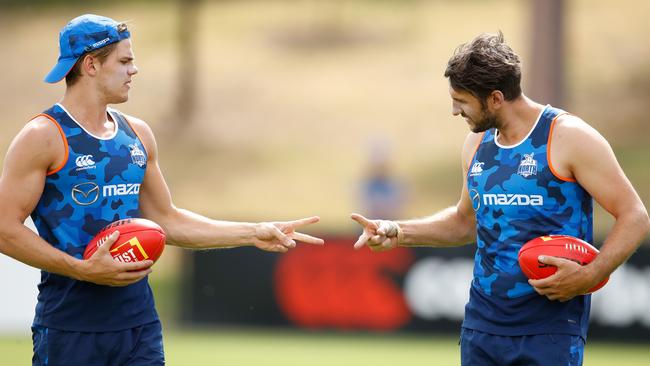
(98, 183)
(517, 197)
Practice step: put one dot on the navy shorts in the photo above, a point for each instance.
(137, 346)
(482, 349)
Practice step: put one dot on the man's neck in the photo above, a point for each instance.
(88, 109)
(517, 119)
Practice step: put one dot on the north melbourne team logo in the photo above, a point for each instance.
(477, 169)
(527, 166)
(137, 155)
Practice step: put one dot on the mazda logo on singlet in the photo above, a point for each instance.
(476, 199)
(85, 194)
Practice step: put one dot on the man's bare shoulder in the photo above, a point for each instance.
(575, 144)
(40, 142)
(570, 130)
(136, 121)
(140, 126)
(42, 134)
(41, 126)
(472, 140)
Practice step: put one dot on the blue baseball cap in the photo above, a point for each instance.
(83, 34)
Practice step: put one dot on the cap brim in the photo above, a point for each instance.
(60, 70)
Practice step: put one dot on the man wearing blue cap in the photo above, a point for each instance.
(79, 166)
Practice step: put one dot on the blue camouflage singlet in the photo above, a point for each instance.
(518, 197)
(98, 183)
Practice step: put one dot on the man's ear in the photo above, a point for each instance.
(89, 65)
(495, 100)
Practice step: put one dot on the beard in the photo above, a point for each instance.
(487, 121)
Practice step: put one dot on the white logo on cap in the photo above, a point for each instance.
(100, 43)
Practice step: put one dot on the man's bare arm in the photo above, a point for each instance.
(191, 230)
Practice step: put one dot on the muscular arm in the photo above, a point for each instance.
(188, 229)
(579, 152)
(453, 226)
(36, 150)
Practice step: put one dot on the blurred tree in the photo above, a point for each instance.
(327, 22)
(547, 61)
(332, 24)
(188, 29)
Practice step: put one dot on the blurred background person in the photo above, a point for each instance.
(382, 193)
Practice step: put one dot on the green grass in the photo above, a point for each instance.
(287, 348)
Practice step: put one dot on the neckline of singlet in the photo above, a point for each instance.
(539, 117)
(90, 133)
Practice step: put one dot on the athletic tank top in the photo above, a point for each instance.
(517, 197)
(98, 183)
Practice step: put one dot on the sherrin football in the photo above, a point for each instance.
(140, 239)
(562, 246)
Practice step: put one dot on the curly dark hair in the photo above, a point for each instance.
(483, 65)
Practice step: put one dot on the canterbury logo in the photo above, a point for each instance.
(477, 169)
(84, 161)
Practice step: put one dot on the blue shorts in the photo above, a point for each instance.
(137, 346)
(478, 348)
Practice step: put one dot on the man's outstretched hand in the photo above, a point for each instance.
(281, 236)
(378, 235)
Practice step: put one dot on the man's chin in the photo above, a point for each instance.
(120, 99)
(478, 129)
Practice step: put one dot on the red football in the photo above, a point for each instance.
(562, 246)
(139, 239)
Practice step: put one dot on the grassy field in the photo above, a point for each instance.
(288, 348)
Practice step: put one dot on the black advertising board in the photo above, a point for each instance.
(335, 287)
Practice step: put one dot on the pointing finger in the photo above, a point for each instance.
(363, 221)
(307, 238)
(301, 222)
(363, 239)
